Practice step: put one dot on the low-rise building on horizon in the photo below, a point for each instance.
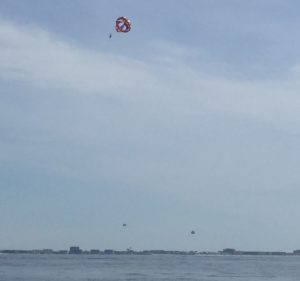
(75, 250)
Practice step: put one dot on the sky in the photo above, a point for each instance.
(190, 121)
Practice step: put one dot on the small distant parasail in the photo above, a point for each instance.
(123, 25)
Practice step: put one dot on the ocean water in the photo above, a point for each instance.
(148, 268)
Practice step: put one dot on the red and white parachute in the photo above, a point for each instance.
(123, 25)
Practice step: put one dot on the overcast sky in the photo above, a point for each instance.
(189, 122)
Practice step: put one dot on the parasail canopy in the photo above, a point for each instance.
(123, 25)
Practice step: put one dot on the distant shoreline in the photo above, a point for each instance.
(75, 250)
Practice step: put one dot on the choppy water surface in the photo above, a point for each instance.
(154, 267)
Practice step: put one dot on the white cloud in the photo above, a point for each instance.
(35, 56)
(42, 60)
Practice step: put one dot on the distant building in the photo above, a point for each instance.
(228, 251)
(61, 252)
(74, 250)
(254, 253)
(46, 251)
(94, 251)
(108, 252)
(296, 252)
